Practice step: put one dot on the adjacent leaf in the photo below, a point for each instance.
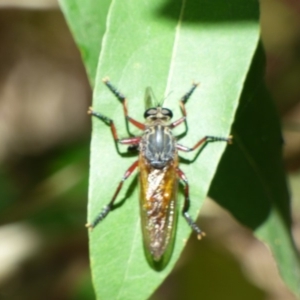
(251, 182)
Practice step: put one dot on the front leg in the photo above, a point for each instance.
(123, 100)
(126, 141)
(182, 103)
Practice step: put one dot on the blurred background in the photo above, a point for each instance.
(44, 159)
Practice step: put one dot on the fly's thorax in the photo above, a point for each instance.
(158, 145)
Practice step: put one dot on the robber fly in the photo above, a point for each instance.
(159, 174)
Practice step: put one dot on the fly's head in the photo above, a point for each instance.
(158, 115)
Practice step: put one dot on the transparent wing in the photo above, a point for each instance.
(158, 207)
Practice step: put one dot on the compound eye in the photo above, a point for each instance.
(150, 112)
(167, 112)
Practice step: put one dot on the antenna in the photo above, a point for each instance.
(163, 99)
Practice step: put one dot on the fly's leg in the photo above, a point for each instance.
(123, 100)
(109, 207)
(186, 206)
(206, 139)
(127, 141)
(182, 102)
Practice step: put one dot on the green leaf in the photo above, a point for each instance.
(87, 23)
(166, 48)
(250, 181)
(167, 45)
